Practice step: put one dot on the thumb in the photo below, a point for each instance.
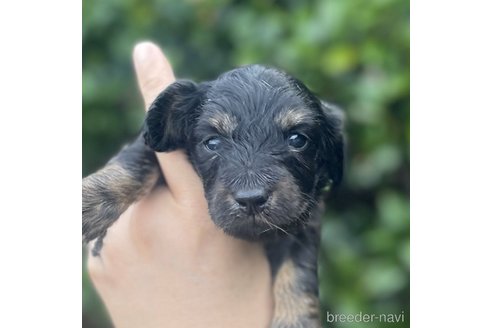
(154, 74)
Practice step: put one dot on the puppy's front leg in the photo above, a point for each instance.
(296, 283)
(107, 193)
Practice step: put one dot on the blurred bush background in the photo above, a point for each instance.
(351, 52)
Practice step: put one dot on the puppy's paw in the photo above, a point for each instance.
(101, 206)
(96, 248)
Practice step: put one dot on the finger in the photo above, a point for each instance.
(154, 74)
(185, 185)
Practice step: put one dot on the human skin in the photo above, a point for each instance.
(164, 263)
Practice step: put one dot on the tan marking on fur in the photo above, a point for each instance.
(221, 195)
(291, 304)
(117, 183)
(224, 123)
(292, 117)
(289, 194)
(124, 184)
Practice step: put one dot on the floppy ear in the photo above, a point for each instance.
(333, 142)
(168, 123)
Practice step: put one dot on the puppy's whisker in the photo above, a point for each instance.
(269, 224)
(294, 238)
(273, 225)
(276, 226)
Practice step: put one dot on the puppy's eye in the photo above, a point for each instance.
(213, 143)
(297, 140)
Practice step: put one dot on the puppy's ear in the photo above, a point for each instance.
(333, 141)
(169, 121)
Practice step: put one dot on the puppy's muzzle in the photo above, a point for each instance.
(252, 200)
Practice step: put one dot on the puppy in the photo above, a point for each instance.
(264, 147)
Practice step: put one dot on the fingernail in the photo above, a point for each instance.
(143, 50)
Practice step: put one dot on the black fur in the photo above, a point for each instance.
(255, 153)
(237, 131)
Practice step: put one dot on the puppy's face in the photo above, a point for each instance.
(263, 145)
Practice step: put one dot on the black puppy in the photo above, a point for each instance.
(264, 147)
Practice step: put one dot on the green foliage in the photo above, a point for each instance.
(351, 52)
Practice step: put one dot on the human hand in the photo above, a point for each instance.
(164, 263)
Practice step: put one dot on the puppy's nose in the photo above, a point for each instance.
(251, 197)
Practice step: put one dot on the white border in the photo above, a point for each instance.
(450, 163)
(41, 163)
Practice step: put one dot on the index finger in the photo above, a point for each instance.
(154, 74)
